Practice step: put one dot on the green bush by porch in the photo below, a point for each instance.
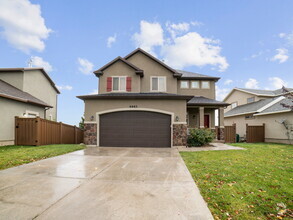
(200, 137)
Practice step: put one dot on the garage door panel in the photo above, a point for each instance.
(135, 129)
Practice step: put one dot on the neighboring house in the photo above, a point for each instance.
(255, 107)
(25, 92)
(143, 102)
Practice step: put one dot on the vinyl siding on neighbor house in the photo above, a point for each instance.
(8, 110)
(41, 89)
(239, 97)
(13, 78)
(274, 131)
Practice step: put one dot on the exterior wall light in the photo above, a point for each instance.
(176, 118)
(92, 118)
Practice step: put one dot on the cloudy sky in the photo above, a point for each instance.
(249, 44)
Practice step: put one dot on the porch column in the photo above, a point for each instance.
(221, 124)
(201, 117)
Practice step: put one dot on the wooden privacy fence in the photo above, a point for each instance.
(255, 133)
(230, 134)
(38, 131)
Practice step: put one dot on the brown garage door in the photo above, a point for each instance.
(135, 129)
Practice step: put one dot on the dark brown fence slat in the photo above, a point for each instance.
(230, 134)
(255, 133)
(38, 131)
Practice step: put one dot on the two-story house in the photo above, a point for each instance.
(142, 102)
(25, 92)
(257, 107)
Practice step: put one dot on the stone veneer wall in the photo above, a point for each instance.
(179, 134)
(90, 134)
(222, 134)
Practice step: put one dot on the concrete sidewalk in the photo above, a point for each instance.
(214, 146)
(103, 183)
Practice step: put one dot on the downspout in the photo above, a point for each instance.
(46, 108)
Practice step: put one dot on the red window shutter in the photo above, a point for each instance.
(109, 84)
(128, 84)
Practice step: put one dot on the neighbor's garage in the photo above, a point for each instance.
(135, 129)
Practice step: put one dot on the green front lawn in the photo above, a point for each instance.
(255, 183)
(11, 156)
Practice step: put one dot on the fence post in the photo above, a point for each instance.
(234, 132)
(264, 133)
(247, 133)
(38, 133)
(15, 131)
(75, 135)
(61, 132)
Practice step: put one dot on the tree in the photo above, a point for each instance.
(81, 123)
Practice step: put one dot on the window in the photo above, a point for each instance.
(184, 85)
(205, 84)
(30, 114)
(233, 105)
(249, 100)
(158, 83)
(247, 117)
(195, 84)
(119, 83)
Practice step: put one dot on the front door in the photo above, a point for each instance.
(206, 121)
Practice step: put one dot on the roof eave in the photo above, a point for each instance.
(24, 100)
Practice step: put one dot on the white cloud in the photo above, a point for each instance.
(95, 91)
(221, 93)
(111, 40)
(192, 49)
(39, 62)
(287, 37)
(251, 84)
(23, 26)
(281, 56)
(85, 66)
(175, 29)
(66, 87)
(228, 82)
(151, 35)
(277, 82)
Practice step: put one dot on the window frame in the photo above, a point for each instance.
(119, 86)
(234, 103)
(195, 87)
(209, 83)
(250, 98)
(181, 81)
(151, 84)
(31, 114)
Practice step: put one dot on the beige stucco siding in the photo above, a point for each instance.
(13, 78)
(208, 93)
(38, 85)
(273, 129)
(152, 68)
(178, 107)
(8, 110)
(119, 69)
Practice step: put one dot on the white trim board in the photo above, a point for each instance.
(270, 113)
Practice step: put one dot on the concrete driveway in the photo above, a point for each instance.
(103, 183)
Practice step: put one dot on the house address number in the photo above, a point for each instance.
(133, 106)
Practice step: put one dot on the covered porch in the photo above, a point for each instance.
(201, 113)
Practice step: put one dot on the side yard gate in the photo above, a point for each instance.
(230, 134)
(255, 133)
(38, 131)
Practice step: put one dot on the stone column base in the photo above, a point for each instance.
(221, 134)
(179, 134)
(90, 134)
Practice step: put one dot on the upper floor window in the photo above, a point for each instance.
(184, 85)
(205, 84)
(233, 105)
(158, 83)
(118, 84)
(195, 84)
(249, 100)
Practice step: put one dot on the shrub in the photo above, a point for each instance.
(200, 137)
